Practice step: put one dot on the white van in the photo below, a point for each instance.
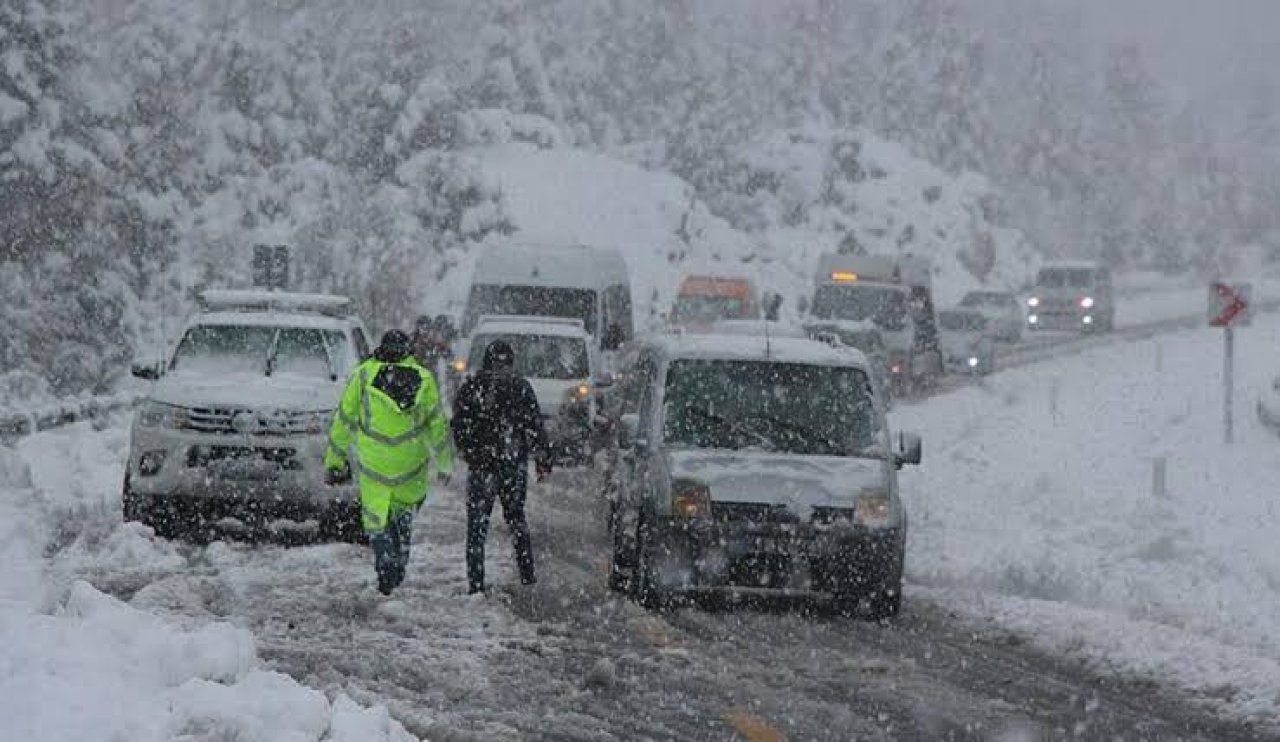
(576, 282)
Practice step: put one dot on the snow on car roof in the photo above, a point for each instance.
(271, 319)
(1071, 264)
(569, 266)
(520, 325)
(259, 300)
(758, 348)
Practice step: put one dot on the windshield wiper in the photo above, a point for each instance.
(731, 426)
(272, 350)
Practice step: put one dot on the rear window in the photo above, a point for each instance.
(1058, 278)
(985, 299)
(539, 356)
(962, 321)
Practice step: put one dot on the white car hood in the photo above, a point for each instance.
(251, 391)
(771, 478)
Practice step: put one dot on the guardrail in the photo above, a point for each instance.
(16, 424)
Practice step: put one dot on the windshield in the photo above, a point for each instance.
(779, 407)
(1057, 278)
(962, 321)
(708, 308)
(536, 301)
(262, 349)
(984, 299)
(539, 356)
(884, 305)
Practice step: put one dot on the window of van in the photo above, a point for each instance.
(885, 306)
(538, 301)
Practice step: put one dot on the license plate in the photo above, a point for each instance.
(245, 470)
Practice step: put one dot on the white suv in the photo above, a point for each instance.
(561, 362)
(232, 433)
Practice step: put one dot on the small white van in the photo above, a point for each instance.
(589, 284)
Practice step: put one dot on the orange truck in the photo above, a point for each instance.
(705, 300)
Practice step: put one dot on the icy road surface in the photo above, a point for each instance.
(1050, 593)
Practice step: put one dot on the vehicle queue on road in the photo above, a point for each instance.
(739, 456)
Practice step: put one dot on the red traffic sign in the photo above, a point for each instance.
(1229, 304)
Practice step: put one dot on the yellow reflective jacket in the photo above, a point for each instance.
(392, 414)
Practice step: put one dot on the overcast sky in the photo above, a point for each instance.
(1200, 45)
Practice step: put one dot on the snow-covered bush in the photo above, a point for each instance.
(815, 189)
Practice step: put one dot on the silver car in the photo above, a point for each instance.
(756, 467)
(967, 347)
(1072, 296)
(1004, 313)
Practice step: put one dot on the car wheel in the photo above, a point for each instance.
(342, 524)
(131, 502)
(648, 593)
(622, 566)
(886, 601)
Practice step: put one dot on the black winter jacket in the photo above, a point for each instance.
(496, 419)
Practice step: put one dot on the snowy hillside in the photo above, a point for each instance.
(805, 191)
(799, 194)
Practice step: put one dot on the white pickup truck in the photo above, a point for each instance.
(232, 433)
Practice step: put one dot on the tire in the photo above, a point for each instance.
(648, 593)
(622, 567)
(886, 602)
(342, 524)
(130, 502)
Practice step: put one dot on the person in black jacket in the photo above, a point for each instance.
(496, 426)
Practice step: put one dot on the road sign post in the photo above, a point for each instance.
(1229, 306)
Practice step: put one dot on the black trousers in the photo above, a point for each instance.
(505, 482)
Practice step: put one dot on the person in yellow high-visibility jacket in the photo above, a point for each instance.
(390, 413)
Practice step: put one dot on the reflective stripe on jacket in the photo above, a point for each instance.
(397, 444)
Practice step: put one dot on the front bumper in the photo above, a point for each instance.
(961, 366)
(264, 471)
(783, 560)
(1063, 319)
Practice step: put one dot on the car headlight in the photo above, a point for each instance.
(690, 499)
(1033, 301)
(156, 414)
(1086, 302)
(459, 365)
(580, 392)
(873, 508)
(973, 362)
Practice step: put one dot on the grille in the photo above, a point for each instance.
(752, 512)
(202, 456)
(228, 420)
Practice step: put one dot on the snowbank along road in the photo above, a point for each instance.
(566, 659)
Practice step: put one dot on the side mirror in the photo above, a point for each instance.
(629, 435)
(773, 307)
(612, 339)
(150, 373)
(910, 449)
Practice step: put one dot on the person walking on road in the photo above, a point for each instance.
(497, 425)
(390, 413)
